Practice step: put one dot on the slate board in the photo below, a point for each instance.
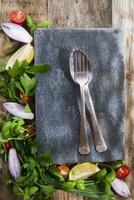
(57, 96)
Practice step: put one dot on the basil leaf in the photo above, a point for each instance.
(43, 24)
(45, 158)
(30, 23)
(17, 190)
(101, 175)
(33, 190)
(16, 70)
(37, 69)
(48, 190)
(118, 164)
(6, 130)
(111, 176)
(68, 185)
(80, 184)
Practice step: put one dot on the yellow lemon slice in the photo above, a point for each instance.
(83, 171)
(26, 52)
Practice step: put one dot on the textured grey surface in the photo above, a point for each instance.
(57, 96)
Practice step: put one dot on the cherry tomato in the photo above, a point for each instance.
(17, 17)
(7, 146)
(64, 170)
(24, 98)
(122, 172)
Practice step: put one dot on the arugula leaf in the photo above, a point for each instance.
(30, 23)
(37, 69)
(43, 24)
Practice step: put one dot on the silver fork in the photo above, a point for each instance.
(81, 77)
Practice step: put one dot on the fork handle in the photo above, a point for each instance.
(83, 142)
(98, 137)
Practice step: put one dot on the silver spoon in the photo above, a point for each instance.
(98, 137)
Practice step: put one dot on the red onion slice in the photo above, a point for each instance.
(121, 188)
(18, 110)
(16, 32)
(13, 163)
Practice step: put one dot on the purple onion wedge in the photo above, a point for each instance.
(16, 32)
(120, 187)
(17, 110)
(13, 164)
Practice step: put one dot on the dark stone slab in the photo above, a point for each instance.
(57, 96)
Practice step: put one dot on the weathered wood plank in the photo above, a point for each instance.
(123, 17)
(37, 9)
(80, 13)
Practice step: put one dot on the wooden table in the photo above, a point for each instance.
(86, 13)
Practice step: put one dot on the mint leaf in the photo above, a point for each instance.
(43, 24)
(37, 69)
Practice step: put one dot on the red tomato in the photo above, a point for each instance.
(122, 172)
(64, 170)
(17, 16)
(7, 146)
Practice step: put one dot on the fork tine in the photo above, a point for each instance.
(78, 61)
(75, 61)
(86, 62)
(83, 61)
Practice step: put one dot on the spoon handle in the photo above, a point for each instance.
(98, 137)
(83, 142)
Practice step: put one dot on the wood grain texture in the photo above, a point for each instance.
(38, 9)
(123, 17)
(80, 13)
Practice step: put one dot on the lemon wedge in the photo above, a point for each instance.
(83, 171)
(26, 52)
